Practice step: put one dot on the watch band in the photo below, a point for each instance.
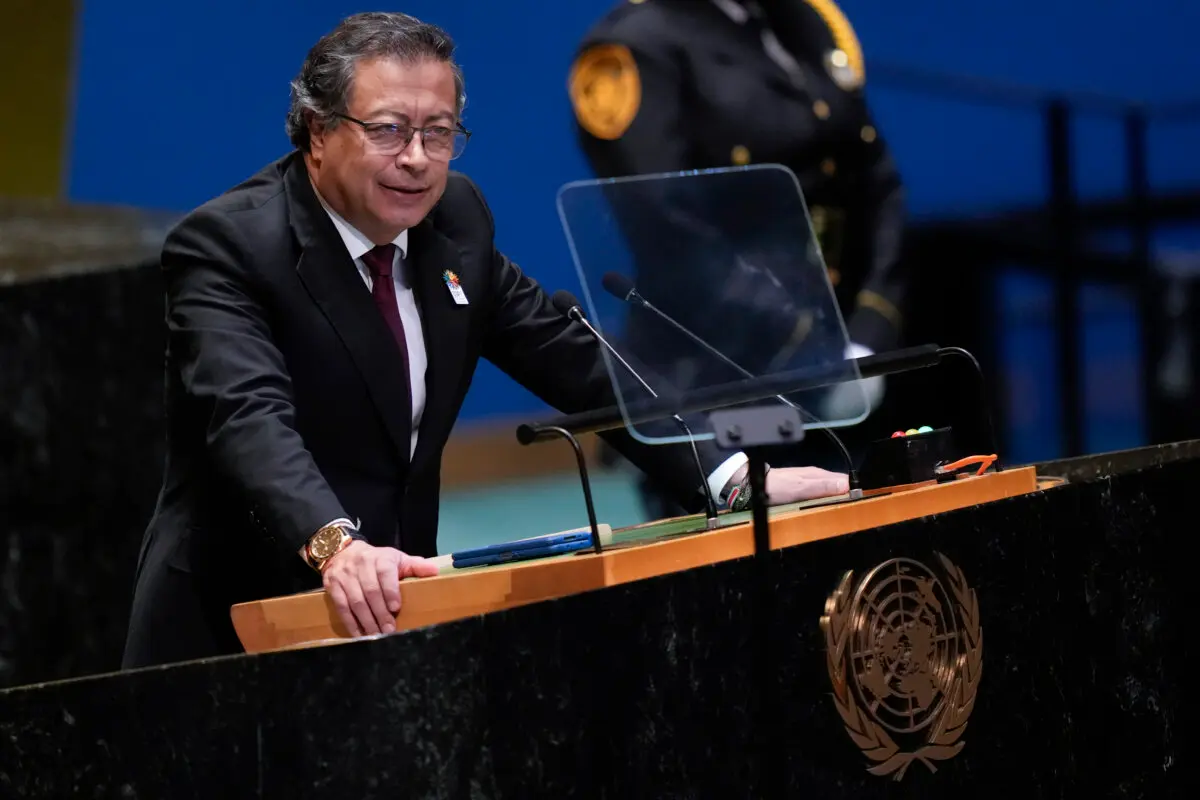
(737, 496)
(328, 541)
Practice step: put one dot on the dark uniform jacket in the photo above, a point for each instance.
(666, 85)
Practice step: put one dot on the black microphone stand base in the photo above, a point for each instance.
(758, 431)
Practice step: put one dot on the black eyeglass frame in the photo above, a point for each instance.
(412, 131)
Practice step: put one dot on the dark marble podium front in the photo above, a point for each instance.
(660, 689)
(81, 429)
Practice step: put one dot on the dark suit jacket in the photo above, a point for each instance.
(287, 405)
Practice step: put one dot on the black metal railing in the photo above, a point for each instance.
(1067, 222)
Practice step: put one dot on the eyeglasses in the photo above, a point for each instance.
(440, 142)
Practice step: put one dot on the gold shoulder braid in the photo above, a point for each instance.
(846, 63)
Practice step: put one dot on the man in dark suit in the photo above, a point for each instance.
(325, 318)
(670, 85)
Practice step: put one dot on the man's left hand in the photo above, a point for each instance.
(794, 484)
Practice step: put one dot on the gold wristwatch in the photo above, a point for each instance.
(327, 543)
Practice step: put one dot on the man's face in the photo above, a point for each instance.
(378, 187)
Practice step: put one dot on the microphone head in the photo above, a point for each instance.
(565, 302)
(618, 285)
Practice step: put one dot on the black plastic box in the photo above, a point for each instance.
(908, 459)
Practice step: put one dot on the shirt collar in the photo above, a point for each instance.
(356, 242)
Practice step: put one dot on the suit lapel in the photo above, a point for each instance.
(446, 325)
(329, 275)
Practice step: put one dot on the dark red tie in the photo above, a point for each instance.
(379, 262)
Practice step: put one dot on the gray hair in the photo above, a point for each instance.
(322, 89)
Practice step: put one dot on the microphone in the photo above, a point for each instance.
(623, 288)
(568, 306)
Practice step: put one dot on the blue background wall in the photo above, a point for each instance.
(175, 102)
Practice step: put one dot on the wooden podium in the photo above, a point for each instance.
(309, 620)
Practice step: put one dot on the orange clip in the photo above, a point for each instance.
(983, 461)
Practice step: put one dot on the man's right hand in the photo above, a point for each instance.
(364, 584)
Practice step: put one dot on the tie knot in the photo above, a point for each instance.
(379, 260)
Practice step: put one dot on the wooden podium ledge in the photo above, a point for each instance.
(309, 619)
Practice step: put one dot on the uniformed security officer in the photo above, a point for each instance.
(668, 85)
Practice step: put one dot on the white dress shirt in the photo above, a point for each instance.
(358, 244)
(410, 314)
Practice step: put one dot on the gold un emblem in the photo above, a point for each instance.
(905, 652)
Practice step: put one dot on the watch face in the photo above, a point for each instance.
(325, 543)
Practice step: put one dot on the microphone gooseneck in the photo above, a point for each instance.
(624, 289)
(566, 304)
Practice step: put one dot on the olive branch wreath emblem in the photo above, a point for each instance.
(945, 733)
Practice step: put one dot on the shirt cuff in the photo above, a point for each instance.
(856, 350)
(721, 475)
